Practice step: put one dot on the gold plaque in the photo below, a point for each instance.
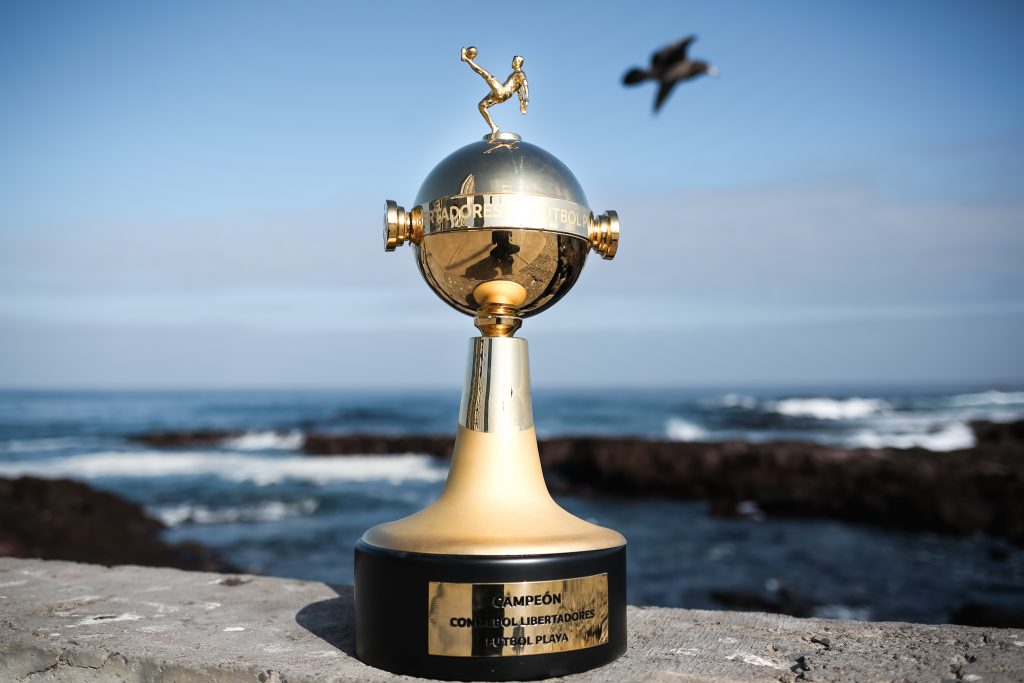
(514, 619)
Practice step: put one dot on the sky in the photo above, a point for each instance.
(191, 193)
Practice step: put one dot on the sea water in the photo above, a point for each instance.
(266, 507)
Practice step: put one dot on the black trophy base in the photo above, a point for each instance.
(495, 618)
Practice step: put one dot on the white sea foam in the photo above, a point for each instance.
(679, 429)
(733, 401)
(267, 511)
(830, 408)
(47, 444)
(949, 437)
(233, 467)
(267, 441)
(988, 398)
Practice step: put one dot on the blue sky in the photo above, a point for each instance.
(191, 193)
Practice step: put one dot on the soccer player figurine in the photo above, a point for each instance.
(500, 92)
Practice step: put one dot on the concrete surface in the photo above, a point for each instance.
(61, 621)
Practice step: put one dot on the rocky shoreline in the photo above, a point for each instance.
(976, 490)
(970, 491)
(67, 520)
(961, 492)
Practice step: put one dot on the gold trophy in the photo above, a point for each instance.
(494, 580)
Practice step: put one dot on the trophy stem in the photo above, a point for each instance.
(495, 500)
(496, 395)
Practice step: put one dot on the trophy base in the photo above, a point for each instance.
(495, 618)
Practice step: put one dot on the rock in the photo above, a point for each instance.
(190, 439)
(73, 622)
(959, 492)
(370, 444)
(68, 520)
(981, 614)
(999, 433)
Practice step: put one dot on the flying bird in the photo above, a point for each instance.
(669, 66)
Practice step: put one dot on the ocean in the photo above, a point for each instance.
(269, 509)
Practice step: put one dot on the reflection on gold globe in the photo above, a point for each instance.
(545, 264)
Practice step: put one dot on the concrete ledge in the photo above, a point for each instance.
(61, 621)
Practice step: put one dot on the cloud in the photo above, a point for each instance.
(815, 245)
(827, 279)
(822, 248)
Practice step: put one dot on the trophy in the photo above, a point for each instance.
(494, 580)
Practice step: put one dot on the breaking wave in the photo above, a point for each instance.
(733, 401)
(267, 441)
(830, 408)
(678, 429)
(267, 511)
(988, 398)
(950, 437)
(233, 467)
(41, 445)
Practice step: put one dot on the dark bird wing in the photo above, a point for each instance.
(671, 54)
(663, 93)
